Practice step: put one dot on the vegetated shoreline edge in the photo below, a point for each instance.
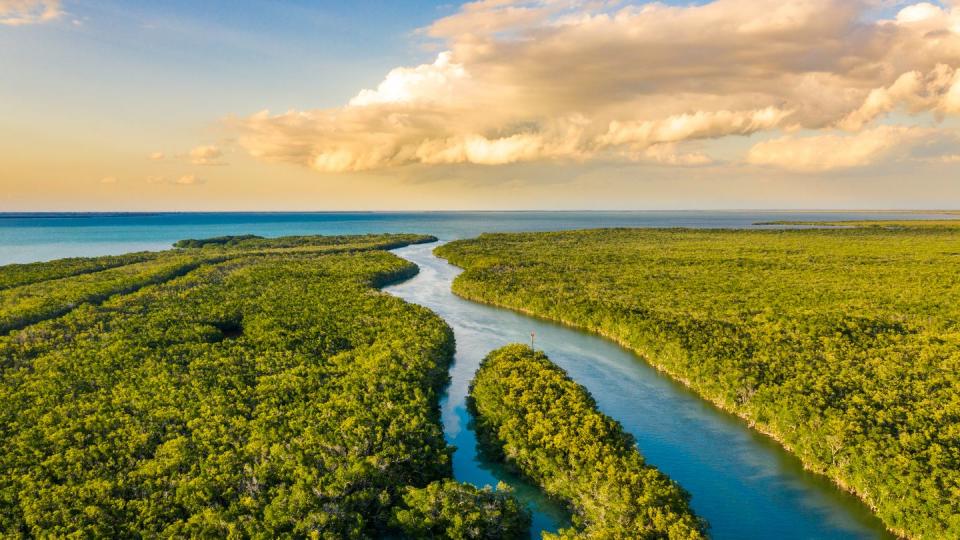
(715, 402)
(397, 279)
(376, 282)
(427, 355)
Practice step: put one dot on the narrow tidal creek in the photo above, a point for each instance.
(743, 483)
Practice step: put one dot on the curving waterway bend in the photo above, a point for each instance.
(743, 483)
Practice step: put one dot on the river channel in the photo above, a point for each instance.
(743, 483)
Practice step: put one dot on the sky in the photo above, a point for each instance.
(493, 104)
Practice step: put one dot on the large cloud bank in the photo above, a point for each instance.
(818, 81)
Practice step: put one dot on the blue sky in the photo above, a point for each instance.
(219, 57)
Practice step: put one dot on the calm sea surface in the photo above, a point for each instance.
(40, 237)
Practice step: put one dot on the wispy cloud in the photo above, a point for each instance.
(182, 180)
(568, 80)
(22, 12)
(188, 180)
(206, 155)
(819, 153)
(199, 155)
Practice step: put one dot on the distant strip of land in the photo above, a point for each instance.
(879, 223)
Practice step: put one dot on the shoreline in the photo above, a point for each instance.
(718, 404)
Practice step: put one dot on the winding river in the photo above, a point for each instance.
(743, 483)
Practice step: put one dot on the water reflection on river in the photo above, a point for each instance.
(743, 483)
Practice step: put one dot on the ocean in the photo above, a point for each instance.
(28, 237)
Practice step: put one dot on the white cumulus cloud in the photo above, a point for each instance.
(698, 125)
(570, 80)
(937, 91)
(430, 83)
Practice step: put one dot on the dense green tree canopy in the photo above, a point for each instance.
(14, 275)
(843, 344)
(238, 390)
(533, 416)
(448, 509)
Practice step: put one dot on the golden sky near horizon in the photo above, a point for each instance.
(503, 104)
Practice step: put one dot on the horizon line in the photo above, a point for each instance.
(487, 210)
